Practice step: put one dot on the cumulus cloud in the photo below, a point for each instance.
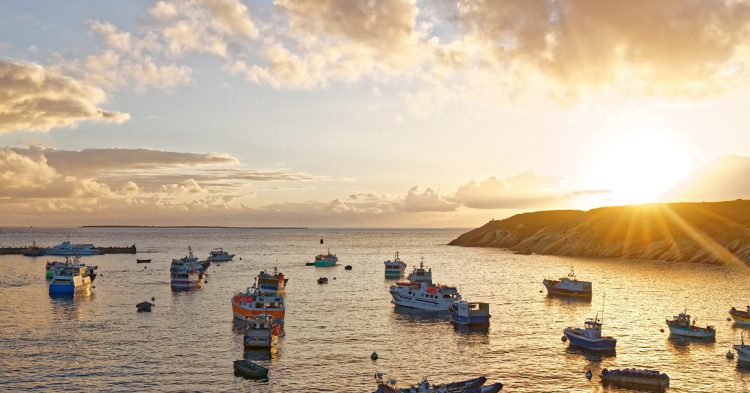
(663, 47)
(189, 186)
(526, 190)
(428, 200)
(35, 98)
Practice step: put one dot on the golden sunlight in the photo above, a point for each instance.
(640, 167)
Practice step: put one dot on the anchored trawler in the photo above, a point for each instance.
(420, 274)
(680, 325)
(253, 301)
(394, 268)
(568, 286)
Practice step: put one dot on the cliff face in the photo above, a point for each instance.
(692, 232)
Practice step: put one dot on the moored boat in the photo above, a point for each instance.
(68, 249)
(70, 279)
(323, 280)
(635, 377)
(568, 286)
(420, 274)
(326, 260)
(743, 351)
(261, 332)
(424, 296)
(474, 385)
(53, 266)
(249, 369)
(142, 261)
(681, 325)
(219, 255)
(590, 337)
(33, 251)
(186, 275)
(394, 268)
(470, 313)
(740, 317)
(252, 302)
(272, 283)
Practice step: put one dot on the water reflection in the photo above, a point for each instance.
(414, 315)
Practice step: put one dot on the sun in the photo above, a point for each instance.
(639, 167)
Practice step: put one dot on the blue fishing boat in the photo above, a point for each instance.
(590, 337)
(326, 260)
(470, 313)
(71, 279)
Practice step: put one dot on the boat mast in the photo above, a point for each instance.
(604, 294)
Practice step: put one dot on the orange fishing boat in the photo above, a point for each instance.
(253, 302)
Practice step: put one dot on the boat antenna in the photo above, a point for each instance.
(603, 294)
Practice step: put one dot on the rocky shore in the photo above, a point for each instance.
(714, 232)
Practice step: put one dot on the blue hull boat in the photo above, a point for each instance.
(593, 344)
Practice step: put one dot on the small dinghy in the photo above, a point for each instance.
(348, 267)
(249, 369)
(144, 306)
(635, 377)
(323, 280)
(143, 261)
(681, 325)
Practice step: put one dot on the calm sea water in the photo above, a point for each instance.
(188, 342)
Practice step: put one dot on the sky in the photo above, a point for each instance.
(392, 113)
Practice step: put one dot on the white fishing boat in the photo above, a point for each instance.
(186, 275)
(219, 255)
(261, 331)
(394, 268)
(681, 325)
(424, 296)
(568, 286)
(743, 350)
(420, 274)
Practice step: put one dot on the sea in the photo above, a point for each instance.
(98, 342)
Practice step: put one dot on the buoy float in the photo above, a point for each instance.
(153, 298)
(661, 330)
(729, 319)
(374, 356)
(589, 374)
(564, 338)
(144, 268)
(730, 355)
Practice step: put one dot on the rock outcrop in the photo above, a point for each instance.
(691, 232)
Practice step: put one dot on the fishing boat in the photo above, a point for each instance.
(326, 260)
(252, 302)
(67, 249)
(424, 296)
(394, 268)
(743, 351)
(470, 313)
(249, 369)
(420, 274)
(680, 325)
(740, 317)
(272, 283)
(632, 377)
(219, 255)
(186, 275)
(474, 385)
(32, 251)
(261, 331)
(192, 260)
(568, 286)
(70, 279)
(590, 337)
(53, 266)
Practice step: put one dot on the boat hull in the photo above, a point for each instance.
(743, 354)
(419, 303)
(260, 342)
(473, 320)
(242, 313)
(186, 285)
(325, 263)
(591, 344)
(692, 332)
(70, 288)
(394, 273)
(740, 317)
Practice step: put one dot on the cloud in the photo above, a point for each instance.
(35, 98)
(526, 190)
(189, 186)
(428, 200)
(88, 162)
(656, 47)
